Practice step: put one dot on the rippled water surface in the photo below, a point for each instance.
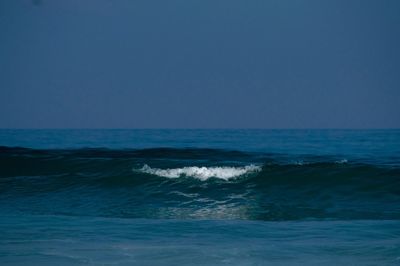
(210, 197)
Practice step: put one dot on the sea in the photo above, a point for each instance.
(199, 197)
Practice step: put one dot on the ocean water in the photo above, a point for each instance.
(199, 197)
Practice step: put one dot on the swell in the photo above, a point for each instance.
(189, 183)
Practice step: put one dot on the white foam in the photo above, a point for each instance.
(202, 173)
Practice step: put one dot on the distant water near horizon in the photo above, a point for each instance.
(199, 197)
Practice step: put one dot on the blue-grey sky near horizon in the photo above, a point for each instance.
(199, 64)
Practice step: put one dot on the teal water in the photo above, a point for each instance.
(200, 197)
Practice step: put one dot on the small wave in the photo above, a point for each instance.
(202, 173)
(301, 162)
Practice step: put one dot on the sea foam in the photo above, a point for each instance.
(202, 173)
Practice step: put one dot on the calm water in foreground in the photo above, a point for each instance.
(199, 197)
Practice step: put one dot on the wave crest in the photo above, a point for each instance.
(202, 173)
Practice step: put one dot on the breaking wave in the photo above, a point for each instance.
(195, 184)
(203, 173)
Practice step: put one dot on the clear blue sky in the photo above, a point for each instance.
(199, 64)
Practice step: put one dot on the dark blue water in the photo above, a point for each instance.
(203, 197)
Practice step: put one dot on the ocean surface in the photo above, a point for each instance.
(199, 197)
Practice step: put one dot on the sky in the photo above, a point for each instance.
(199, 64)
